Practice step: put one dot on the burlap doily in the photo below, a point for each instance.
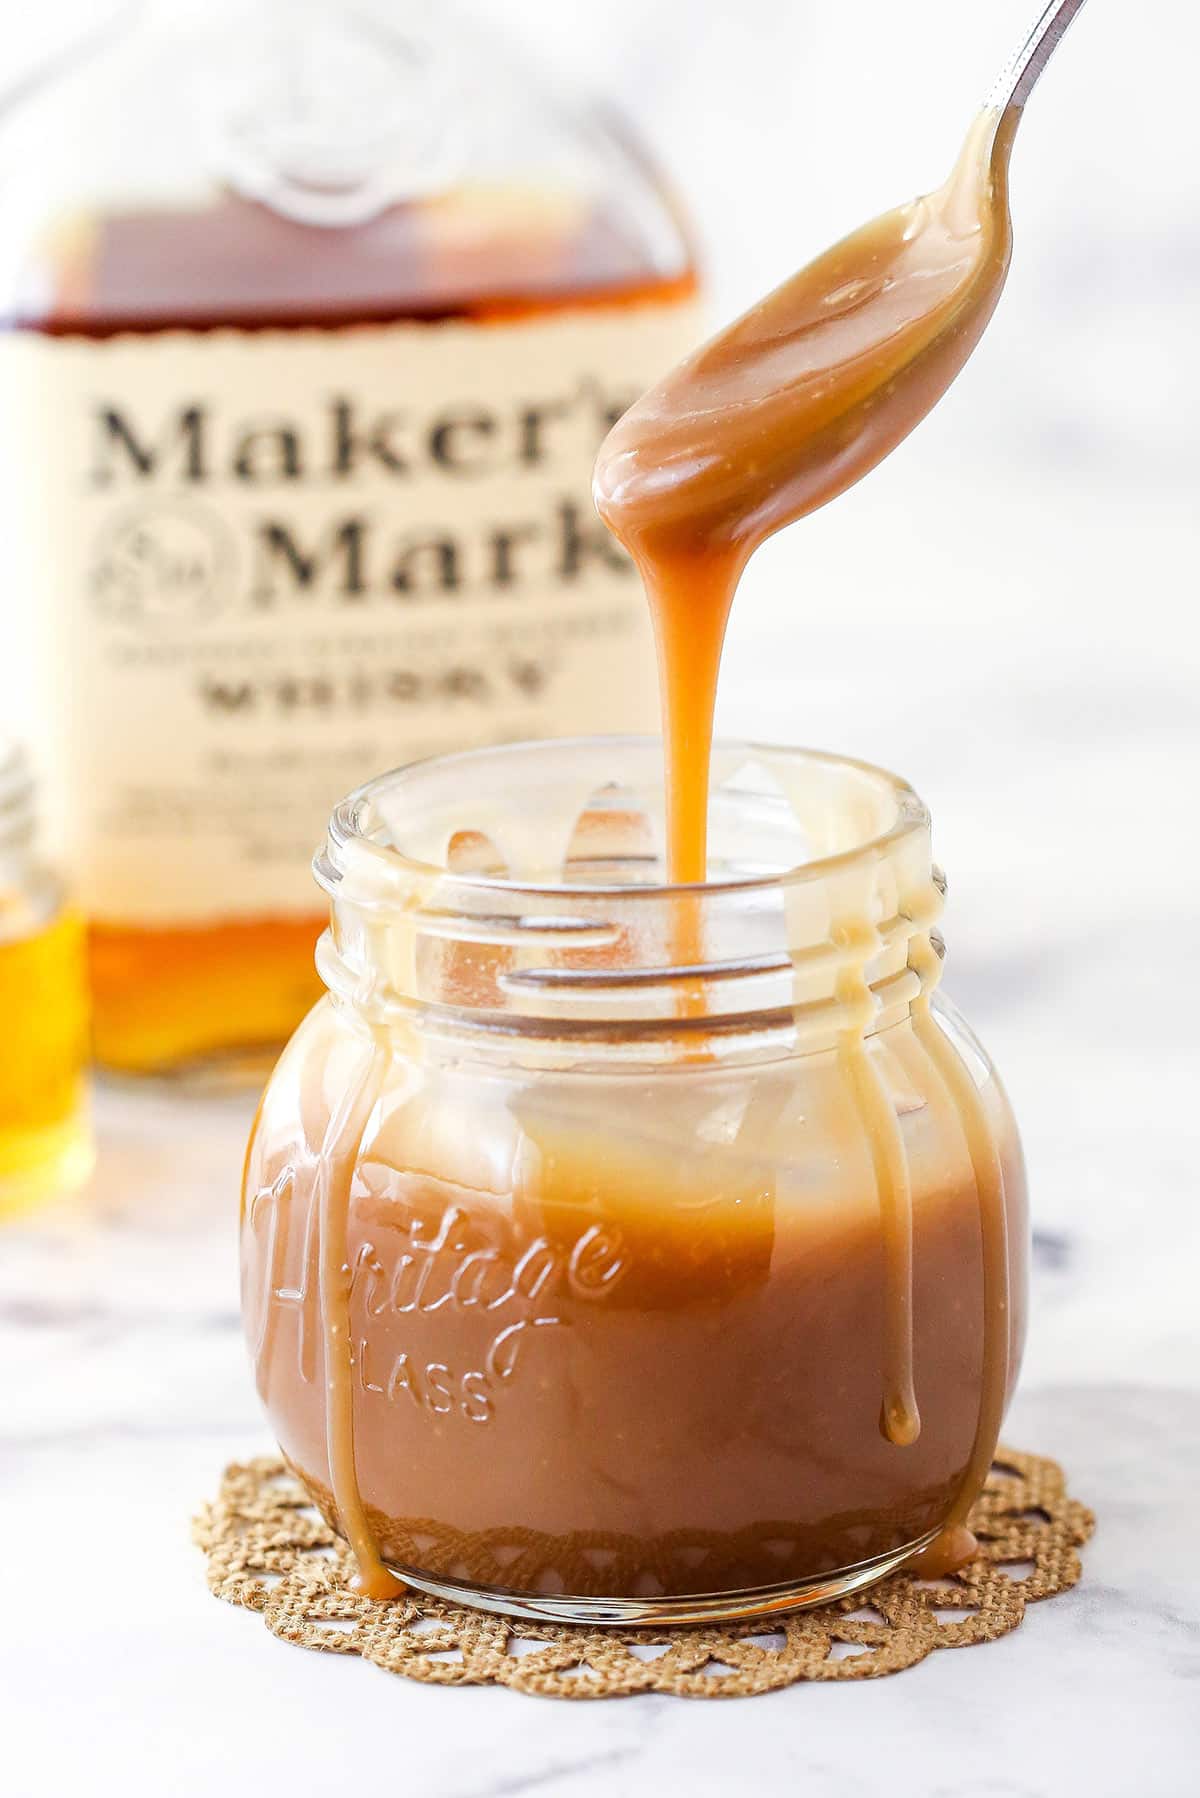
(269, 1550)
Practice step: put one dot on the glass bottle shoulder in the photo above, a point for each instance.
(244, 165)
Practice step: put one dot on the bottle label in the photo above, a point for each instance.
(269, 565)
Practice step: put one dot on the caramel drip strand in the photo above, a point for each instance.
(993, 1219)
(262, 1347)
(310, 1280)
(689, 639)
(689, 642)
(339, 1154)
(775, 416)
(900, 1417)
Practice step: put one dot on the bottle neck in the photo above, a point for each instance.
(327, 111)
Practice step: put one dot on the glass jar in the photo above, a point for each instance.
(620, 1251)
(314, 317)
(45, 1137)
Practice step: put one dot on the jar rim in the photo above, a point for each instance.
(824, 878)
(347, 835)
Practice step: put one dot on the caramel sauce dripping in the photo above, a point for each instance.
(780, 413)
(900, 1418)
(339, 1154)
(956, 1545)
(772, 418)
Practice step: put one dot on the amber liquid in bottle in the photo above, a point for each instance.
(226, 993)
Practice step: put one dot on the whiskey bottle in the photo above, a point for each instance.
(314, 317)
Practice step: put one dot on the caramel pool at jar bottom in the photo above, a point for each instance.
(624, 1343)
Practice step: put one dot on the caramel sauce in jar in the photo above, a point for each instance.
(630, 1235)
(569, 1294)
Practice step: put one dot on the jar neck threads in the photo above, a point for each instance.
(515, 894)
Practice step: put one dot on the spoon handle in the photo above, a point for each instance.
(1020, 74)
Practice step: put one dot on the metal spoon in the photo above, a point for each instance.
(1021, 72)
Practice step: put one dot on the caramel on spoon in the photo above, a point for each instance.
(793, 403)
